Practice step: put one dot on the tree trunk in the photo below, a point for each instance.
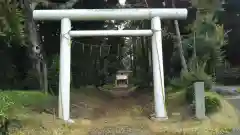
(179, 43)
(35, 49)
(134, 67)
(33, 40)
(45, 77)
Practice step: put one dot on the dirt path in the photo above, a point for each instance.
(101, 113)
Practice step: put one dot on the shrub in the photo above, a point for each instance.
(238, 90)
(6, 105)
(196, 73)
(212, 104)
(13, 103)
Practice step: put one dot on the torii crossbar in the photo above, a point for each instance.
(155, 15)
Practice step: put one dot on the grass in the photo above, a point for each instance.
(26, 97)
(238, 90)
(22, 101)
(96, 112)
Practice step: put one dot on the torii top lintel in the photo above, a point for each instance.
(110, 14)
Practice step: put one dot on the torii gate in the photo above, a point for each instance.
(156, 15)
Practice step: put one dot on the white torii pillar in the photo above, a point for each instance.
(156, 15)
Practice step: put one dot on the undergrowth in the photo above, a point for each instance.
(13, 103)
(39, 124)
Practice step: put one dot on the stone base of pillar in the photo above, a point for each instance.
(154, 118)
(70, 121)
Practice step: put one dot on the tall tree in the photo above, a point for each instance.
(36, 51)
(179, 42)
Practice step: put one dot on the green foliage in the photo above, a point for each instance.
(12, 40)
(238, 90)
(206, 4)
(212, 104)
(6, 104)
(196, 73)
(207, 39)
(11, 22)
(25, 98)
(14, 102)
